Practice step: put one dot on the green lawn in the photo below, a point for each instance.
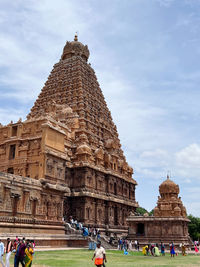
(82, 258)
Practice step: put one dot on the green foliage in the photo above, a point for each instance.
(141, 211)
(151, 213)
(194, 227)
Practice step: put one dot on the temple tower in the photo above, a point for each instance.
(69, 138)
(169, 223)
(169, 203)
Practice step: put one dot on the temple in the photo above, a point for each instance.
(169, 223)
(66, 159)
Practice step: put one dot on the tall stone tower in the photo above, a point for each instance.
(76, 144)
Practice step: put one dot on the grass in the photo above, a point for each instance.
(82, 258)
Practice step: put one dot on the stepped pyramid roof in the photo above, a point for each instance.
(72, 90)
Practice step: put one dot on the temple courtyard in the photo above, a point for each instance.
(82, 258)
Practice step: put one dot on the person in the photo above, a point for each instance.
(85, 231)
(162, 249)
(8, 251)
(196, 249)
(16, 241)
(156, 251)
(98, 236)
(138, 245)
(110, 240)
(131, 245)
(99, 255)
(94, 232)
(80, 226)
(32, 243)
(135, 244)
(19, 256)
(183, 248)
(152, 249)
(118, 244)
(28, 255)
(145, 250)
(1, 252)
(172, 249)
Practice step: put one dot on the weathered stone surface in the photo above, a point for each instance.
(27, 205)
(69, 139)
(169, 223)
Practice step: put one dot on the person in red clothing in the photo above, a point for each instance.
(99, 255)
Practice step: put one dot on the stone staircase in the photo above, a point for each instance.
(71, 238)
(104, 242)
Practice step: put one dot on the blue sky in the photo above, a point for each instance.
(146, 57)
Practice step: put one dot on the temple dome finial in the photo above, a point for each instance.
(75, 48)
(76, 37)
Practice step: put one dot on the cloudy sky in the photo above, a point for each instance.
(146, 55)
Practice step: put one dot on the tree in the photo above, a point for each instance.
(141, 211)
(151, 213)
(194, 227)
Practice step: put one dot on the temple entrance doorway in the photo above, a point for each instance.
(140, 229)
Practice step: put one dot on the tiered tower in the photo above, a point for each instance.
(169, 203)
(69, 138)
(169, 223)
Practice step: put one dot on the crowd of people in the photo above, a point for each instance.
(153, 249)
(86, 231)
(22, 249)
(124, 244)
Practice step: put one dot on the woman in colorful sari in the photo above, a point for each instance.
(144, 250)
(28, 256)
(156, 251)
(196, 249)
(172, 249)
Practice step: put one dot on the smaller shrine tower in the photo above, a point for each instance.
(169, 223)
(169, 203)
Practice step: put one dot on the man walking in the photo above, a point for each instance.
(100, 255)
(9, 247)
(1, 252)
(19, 256)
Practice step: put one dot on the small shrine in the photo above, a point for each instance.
(169, 223)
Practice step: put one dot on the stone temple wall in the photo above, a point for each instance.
(69, 139)
(34, 203)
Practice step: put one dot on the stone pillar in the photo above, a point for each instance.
(106, 221)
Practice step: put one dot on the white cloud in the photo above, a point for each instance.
(10, 115)
(156, 154)
(189, 157)
(165, 3)
(142, 61)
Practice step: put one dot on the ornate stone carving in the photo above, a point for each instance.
(69, 138)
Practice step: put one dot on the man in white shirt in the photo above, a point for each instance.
(100, 255)
(1, 252)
